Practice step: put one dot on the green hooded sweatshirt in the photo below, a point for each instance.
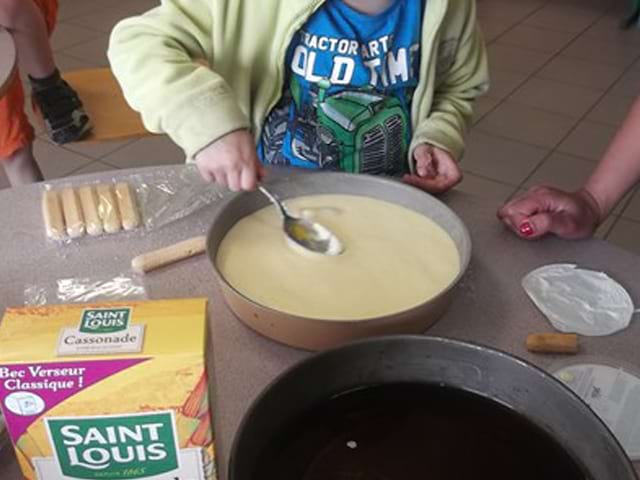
(199, 69)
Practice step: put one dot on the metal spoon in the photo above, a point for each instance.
(309, 235)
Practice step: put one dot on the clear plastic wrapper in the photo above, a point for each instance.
(72, 211)
(85, 290)
(138, 202)
(577, 300)
(166, 196)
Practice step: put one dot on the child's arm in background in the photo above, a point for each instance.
(444, 126)
(154, 57)
(545, 210)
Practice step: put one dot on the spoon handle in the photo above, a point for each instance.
(276, 201)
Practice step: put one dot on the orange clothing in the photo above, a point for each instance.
(15, 130)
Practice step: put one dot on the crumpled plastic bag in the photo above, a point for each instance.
(85, 290)
(577, 300)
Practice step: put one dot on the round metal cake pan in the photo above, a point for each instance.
(319, 334)
(529, 392)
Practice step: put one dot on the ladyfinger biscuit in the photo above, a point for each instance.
(52, 213)
(89, 204)
(128, 206)
(108, 209)
(72, 213)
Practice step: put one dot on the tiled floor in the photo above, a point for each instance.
(563, 76)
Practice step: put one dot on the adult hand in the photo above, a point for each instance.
(231, 161)
(436, 171)
(544, 210)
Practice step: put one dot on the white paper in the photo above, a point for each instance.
(579, 301)
(614, 395)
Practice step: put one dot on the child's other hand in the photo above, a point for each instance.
(436, 171)
(231, 161)
(545, 210)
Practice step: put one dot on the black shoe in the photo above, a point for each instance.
(64, 117)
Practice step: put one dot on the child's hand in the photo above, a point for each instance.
(436, 170)
(231, 161)
(545, 210)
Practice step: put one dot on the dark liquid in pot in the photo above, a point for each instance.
(414, 431)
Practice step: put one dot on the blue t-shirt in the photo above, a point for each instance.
(350, 80)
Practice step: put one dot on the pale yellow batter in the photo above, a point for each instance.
(394, 259)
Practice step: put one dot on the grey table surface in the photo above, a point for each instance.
(490, 306)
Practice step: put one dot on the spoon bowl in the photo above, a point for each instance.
(309, 235)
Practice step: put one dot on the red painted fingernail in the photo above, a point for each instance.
(526, 229)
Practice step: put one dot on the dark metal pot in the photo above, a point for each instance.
(495, 375)
(319, 334)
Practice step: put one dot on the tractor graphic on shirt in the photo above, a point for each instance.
(357, 131)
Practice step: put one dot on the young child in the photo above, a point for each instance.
(30, 23)
(577, 214)
(371, 86)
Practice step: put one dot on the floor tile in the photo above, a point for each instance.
(605, 228)
(500, 159)
(92, 51)
(492, 27)
(562, 171)
(65, 63)
(56, 162)
(581, 72)
(625, 202)
(626, 234)
(557, 97)
(533, 38)
(597, 6)
(141, 5)
(517, 193)
(632, 211)
(483, 105)
(65, 36)
(503, 82)
(628, 85)
(150, 151)
(513, 59)
(605, 52)
(34, 120)
(95, 150)
(485, 188)
(74, 8)
(507, 9)
(93, 167)
(527, 124)
(608, 29)
(612, 110)
(588, 140)
(4, 181)
(106, 19)
(564, 18)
